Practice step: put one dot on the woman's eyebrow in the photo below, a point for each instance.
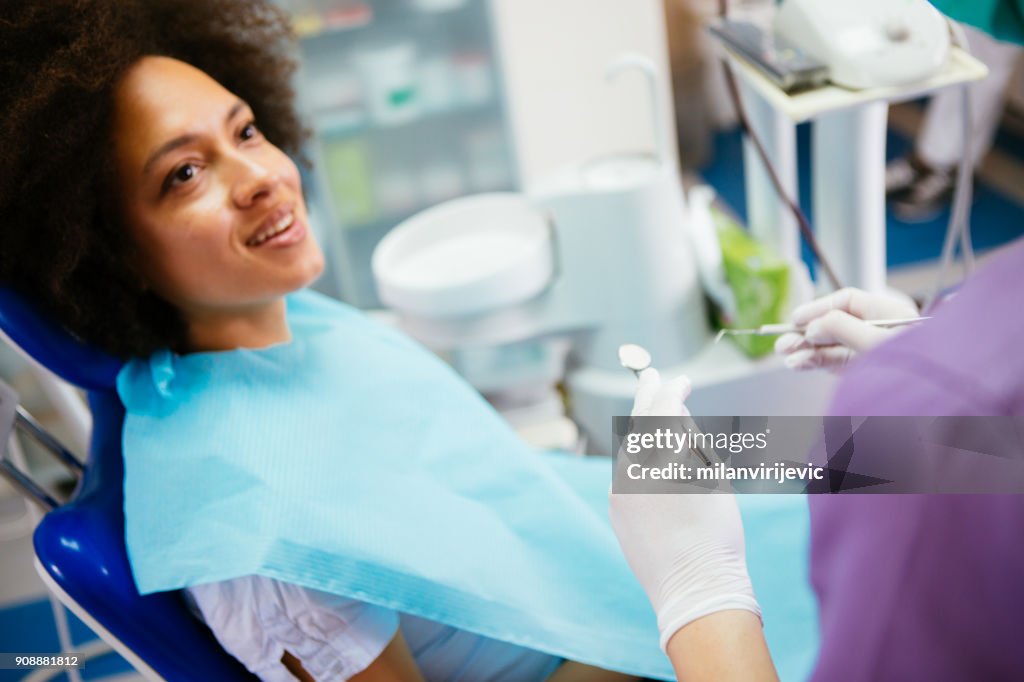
(185, 139)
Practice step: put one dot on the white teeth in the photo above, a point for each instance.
(277, 228)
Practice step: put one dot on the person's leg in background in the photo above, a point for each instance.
(919, 186)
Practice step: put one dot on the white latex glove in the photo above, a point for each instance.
(655, 398)
(835, 329)
(686, 549)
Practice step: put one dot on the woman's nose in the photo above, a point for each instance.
(255, 179)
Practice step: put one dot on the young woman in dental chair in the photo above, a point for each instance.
(150, 207)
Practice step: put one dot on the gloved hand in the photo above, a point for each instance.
(835, 329)
(655, 398)
(686, 549)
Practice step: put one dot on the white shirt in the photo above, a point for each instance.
(256, 619)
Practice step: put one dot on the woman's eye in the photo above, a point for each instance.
(249, 132)
(180, 175)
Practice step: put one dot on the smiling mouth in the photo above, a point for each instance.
(284, 224)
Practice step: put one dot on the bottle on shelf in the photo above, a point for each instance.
(388, 73)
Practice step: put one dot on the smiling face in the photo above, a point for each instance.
(215, 209)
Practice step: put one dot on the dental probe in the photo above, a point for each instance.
(786, 327)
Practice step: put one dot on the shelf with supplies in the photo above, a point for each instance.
(369, 183)
(313, 19)
(312, 24)
(393, 84)
(407, 104)
(348, 124)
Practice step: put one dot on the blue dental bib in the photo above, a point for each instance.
(352, 460)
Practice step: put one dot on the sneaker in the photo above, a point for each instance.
(926, 198)
(900, 174)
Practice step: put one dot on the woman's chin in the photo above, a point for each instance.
(306, 270)
(315, 269)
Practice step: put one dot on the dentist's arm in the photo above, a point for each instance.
(687, 552)
(725, 646)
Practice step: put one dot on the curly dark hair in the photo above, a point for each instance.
(63, 246)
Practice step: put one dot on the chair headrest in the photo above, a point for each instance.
(53, 347)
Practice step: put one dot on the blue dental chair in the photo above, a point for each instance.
(80, 549)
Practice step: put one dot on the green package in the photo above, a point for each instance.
(759, 280)
(348, 173)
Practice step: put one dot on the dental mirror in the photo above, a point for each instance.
(634, 357)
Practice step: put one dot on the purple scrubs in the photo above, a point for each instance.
(930, 587)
